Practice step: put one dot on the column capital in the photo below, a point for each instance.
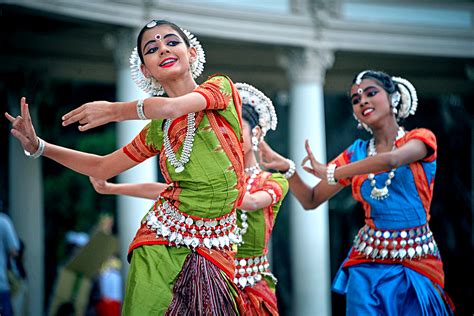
(307, 64)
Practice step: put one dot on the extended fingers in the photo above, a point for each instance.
(9, 117)
(25, 112)
(74, 116)
(22, 138)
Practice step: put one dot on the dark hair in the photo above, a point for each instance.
(250, 115)
(382, 78)
(158, 23)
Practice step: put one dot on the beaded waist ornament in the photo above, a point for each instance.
(249, 271)
(400, 245)
(181, 229)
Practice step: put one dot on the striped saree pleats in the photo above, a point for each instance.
(201, 289)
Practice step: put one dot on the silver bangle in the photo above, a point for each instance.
(39, 152)
(330, 174)
(291, 171)
(141, 110)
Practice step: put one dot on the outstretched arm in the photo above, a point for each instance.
(413, 150)
(102, 167)
(142, 190)
(93, 114)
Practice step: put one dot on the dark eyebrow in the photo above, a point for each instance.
(149, 42)
(170, 34)
(367, 88)
(153, 40)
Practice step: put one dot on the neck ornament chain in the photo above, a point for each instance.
(179, 164)
(253, 172)
(382, 193)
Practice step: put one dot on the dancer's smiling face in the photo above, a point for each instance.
(166, 55)
(370, 101)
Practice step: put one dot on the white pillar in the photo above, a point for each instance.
(309, 229)
(130, 210)
(26, 210)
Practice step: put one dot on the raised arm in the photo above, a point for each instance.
(93, 114)
(103, 167)
(142, 190)
(413, 150)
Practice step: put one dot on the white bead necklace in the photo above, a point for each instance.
(254, 172)
(179, 164)
(382, 193)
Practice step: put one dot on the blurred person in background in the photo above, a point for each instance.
(9, 248)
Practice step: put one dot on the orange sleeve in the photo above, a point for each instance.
(138, 150)
(217, 91)
(427, 137)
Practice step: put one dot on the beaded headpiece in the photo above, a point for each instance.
(151, 85)
(267, 118)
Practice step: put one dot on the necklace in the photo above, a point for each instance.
(179, 164)
(382, 193)
(254, 171)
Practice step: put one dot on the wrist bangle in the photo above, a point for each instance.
(291, 171)
(39, 152)
(141, 110)
(330, 174)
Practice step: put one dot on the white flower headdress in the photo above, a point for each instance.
(150, 85)
(267, 118)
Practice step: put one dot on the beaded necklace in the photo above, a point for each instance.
(179, 164)
(382, 193)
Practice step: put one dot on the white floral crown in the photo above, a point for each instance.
(267, 118)
(151, 85)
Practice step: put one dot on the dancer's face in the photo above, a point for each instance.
(165, 54)
(370, 101)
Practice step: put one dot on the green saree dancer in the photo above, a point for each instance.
(196, 213)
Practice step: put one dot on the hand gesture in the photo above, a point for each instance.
(22, 128)
(92, 114)
(270, 159)
(100, 186)
(317, 169)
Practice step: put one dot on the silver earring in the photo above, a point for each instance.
(395, 99)
(359, 126)
(254, 140)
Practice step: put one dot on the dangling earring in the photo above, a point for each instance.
(359, 126)
(395, 101)
(254, 140)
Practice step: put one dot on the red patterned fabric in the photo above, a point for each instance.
(138, 150)
(216, 99)
(260, 300)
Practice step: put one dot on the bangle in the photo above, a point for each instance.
(330, 174)
(291, 171)
(38, 152)
(140, 110)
